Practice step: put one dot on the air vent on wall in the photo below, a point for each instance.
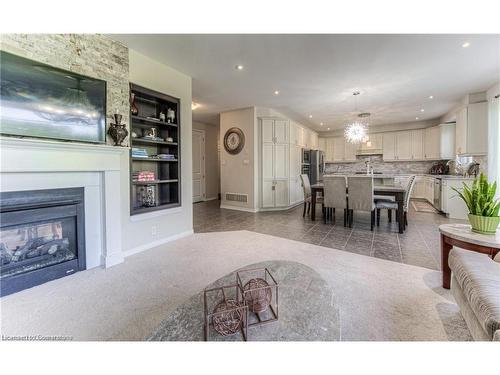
(236, 197)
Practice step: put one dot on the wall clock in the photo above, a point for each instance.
(234, 141)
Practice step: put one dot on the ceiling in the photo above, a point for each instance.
(317, 74)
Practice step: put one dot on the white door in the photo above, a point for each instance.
(268, 161)
(198, 165)
(403, 145)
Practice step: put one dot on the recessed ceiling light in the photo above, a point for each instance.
(431, 97)
(327, 128)
(422, 110)
(276, 92)
(466, 44)
(194, 106)
(310, 116)
(239, 67)
(321, 124)
(416, 118)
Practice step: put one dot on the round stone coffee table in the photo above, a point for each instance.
(462, 236)
(308, 310)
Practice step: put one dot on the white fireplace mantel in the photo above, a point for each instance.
(31, 164)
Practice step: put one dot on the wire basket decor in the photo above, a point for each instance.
(257, 294)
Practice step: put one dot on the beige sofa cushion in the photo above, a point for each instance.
(479, 277)
(497, 258)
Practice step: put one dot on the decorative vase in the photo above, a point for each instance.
(117, 131)
(133, 107)
(484, 224)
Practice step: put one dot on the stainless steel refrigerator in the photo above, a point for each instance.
(317, 168)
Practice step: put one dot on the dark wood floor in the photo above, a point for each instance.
(419, 245)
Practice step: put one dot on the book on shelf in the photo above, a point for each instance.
(143, 176)
(139, 153)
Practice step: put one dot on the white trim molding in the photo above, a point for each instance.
(236, 208)
(140, 249)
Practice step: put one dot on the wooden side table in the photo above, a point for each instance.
(461, 235)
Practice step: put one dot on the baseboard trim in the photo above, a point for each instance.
(210, 199)
(236, 208)
(140, 249)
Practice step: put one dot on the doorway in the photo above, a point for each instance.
(198, 165)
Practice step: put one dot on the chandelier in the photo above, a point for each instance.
(356, 131)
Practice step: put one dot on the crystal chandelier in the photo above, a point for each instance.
(355, 132)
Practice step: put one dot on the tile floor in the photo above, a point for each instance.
(419, 245)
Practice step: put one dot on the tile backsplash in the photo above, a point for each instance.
(397, 167)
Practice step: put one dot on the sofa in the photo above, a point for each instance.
(475, 284)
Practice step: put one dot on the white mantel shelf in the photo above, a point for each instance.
(38, 155)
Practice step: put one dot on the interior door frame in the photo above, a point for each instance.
(203, 166)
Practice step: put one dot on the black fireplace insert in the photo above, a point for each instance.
(41, 237)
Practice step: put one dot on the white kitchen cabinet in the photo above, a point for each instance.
(314, 141)
(389, 146)
(338, 149)
(330, 146)
(432, 145)
(403, 145)
(447, 141)
(350, 150)
(419, 188)
(472, 129)
(417, 144)
(322, 145)
(281, 131)
(374, 142)
(451, 204)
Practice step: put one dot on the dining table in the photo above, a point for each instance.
(392, 190)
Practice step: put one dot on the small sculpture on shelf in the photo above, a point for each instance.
(170, 116)
(117, 131)
(162, 116)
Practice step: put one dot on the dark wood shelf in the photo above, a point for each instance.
(155, 159)
(146, 120)
(165, 191)
(155, 182)
(149, 141)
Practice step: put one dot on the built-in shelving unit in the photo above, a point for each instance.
(164, 191)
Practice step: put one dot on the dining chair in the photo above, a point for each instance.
(387, 205)
(306, 187)
(334, 196)
(360, 197)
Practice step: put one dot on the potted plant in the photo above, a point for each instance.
(482, 205)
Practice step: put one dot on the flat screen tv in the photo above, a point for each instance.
(38, 100)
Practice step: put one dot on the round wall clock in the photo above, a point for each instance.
(234, 141)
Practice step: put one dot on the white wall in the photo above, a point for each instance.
(138, 229)
(238, 172)
(212, 174)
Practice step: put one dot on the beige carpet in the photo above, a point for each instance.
(379, 300)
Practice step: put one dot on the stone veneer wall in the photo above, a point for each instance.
(88, 54)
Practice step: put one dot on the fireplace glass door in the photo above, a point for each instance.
(28, 247)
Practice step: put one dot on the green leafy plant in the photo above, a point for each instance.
(480, 197)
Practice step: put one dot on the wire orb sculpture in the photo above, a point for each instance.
(227, 317)
(257, 295)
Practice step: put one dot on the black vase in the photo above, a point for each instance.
(118, 132)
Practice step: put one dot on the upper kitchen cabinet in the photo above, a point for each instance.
(350, 150)
(447, 141)
(389, 146)
(338, 149)
(322, 144)
(432, 145)
(417, 144)
(472, 130)
(403, 145)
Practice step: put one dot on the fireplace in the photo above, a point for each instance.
(41, 237)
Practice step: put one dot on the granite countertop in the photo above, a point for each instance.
(463, 232)
(387, 175)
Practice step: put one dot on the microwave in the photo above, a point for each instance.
(306, 156)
